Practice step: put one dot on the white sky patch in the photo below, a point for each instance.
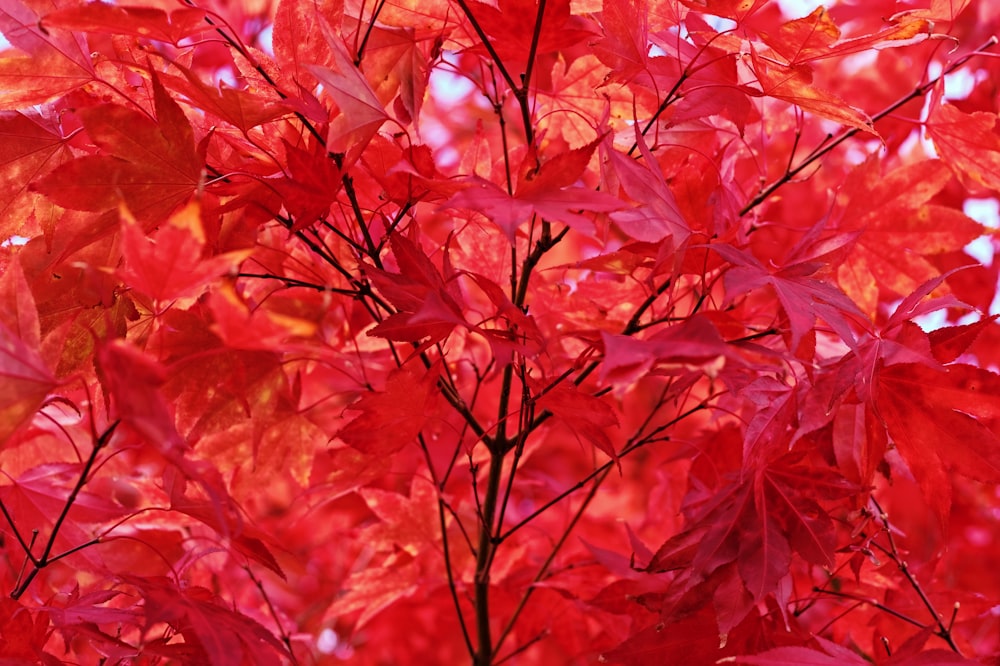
(266, 40)
(794, 9)
(987, 213)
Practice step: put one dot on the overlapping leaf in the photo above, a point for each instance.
(551, 193)
(898, 226)
(25, 381)
(146, 22)
(28, 148)
(149, 164)
(56, 62)
(967, 142)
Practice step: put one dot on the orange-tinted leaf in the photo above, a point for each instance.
(242, 109)
(967, 142)
(804, 39)
(25, 381)
(148, 22)
(816, 36)
(373, 590)
(898, 228)
(171, 264)
(736, 10)
(409, 523)
(28, 148)
(940, 10)
(794, 85)
(58, 62)
(151, 165)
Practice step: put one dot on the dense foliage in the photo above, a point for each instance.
(448, 331)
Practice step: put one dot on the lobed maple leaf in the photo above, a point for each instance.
(899, 227)
(146, 22)
(28, 148)
(692, 344)
(551, 193)
(149, 164)
(794, 84)
(297, 43)
(392, 419)
(56, 62)
(360, 112)
(942, 420)
(968, 143)
(624, 46)
(25, 380)
(587, 417)
(171, 265)
(212, 631)
(429, 308)
(803, 297)
(816, 36)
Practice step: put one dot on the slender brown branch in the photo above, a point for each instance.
(484, 560)
(919, 91)
(943, 631)
(543, 570)
(452, 588)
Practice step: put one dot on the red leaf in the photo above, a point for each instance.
(25, 381)
(146, 22)
(942, 420)
(171, 265)
(816, 36)
(373, 590)
(802, 296)
(241, 108)
(551, 193)
(392, 419)
(950, 342)
(794, 84)
(133, 381)
(798, 656)
(588, 417)
(360, 112)
(737, 10)
(297, 42)
(151, 165)
(217, 634)
(625, 41)
(28, 147)
(58, 62)
(693, 344)
(967, 142)
(428, 306)
(694, 639)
